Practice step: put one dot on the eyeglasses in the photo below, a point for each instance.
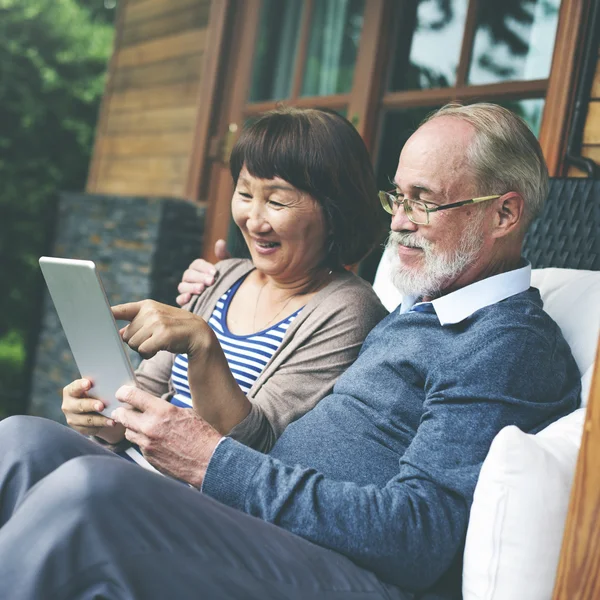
(417, 210)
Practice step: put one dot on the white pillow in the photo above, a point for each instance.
(572, 298)
(519, 511)
(382, 284)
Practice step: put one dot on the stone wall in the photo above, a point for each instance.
(141, 247)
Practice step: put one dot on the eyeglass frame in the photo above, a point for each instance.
(383, 195)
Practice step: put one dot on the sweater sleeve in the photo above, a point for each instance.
(324, 346)
(410, 530)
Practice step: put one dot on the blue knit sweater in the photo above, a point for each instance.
(383, 470)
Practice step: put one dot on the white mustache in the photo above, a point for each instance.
(410, 240)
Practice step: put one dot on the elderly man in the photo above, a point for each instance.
(368, 495)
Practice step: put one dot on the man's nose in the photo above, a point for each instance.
(400, 222)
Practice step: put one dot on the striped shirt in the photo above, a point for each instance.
(247, 355)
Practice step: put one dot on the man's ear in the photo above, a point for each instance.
(509, 214)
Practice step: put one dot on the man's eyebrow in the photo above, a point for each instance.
(416, 187)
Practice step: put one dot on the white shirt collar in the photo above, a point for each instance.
(461, 304)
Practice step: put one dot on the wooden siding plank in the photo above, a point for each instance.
(592, 152)
(174, 70)
(172, 169)
(194, 17)
(595, 93)
(128, 187)
(173, 95)
(152, 9)
(161, 120)
(132, 146)
(591, 130)
(181, 44)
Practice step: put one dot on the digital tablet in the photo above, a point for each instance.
(84, 312)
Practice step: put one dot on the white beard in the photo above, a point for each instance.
(439, 270)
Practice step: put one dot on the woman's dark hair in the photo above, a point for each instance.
(318, 152)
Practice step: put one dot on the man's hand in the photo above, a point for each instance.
(200, 275)
(174, 440)
(155, 326)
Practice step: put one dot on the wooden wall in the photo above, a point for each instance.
(147, 123)
(591, 131)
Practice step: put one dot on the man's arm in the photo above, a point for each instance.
(409, 531)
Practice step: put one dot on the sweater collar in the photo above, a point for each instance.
(461, 304)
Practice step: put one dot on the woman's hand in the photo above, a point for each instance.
(155, 326)
(200, 275)
(82, 413)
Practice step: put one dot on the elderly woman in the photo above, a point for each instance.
(263, 345)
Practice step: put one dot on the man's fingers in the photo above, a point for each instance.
(139, 439)
(126, 312)
(130, 419)
(221, 251)
(137, 399)
(183, 299)
(199, 276)
(190, 288)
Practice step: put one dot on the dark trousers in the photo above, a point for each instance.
(76, 521)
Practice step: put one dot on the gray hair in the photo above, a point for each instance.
(505, 155)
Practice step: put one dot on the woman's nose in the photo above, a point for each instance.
(257, 220)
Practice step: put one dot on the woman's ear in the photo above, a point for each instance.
(509, 214)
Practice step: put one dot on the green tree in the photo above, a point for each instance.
(53, 56)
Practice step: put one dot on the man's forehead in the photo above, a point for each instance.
(434, 155)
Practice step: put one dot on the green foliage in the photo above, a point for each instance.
(53, 56)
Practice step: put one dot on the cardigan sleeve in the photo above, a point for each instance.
(323, 347)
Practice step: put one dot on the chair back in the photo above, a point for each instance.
(567, 233)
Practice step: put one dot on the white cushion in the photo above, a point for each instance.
(519, 511)
(572, 298)
(384, 288)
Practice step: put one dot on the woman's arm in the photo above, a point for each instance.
(155, 328)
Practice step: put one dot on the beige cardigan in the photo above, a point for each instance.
(320, 344)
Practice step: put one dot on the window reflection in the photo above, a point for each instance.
(529, 110)
(275, 50)
(335, 31)
(514, 40)
(431, 33)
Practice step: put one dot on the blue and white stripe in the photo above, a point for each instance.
(247, 355)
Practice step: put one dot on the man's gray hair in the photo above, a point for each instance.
(505, 155)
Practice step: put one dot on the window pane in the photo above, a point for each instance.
(514, 41)
(396, 128)
(431, 34)
(335, 31)
(275, 50)
(529, 110)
